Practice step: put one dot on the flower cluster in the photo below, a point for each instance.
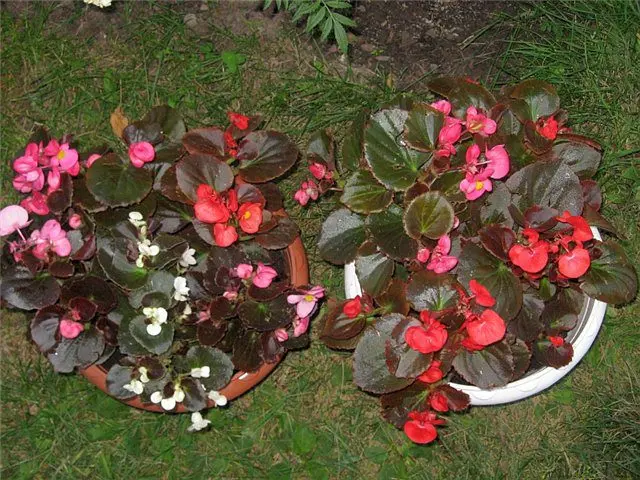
(226, 214)
(324, 179)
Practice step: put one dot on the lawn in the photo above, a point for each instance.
(308, 420)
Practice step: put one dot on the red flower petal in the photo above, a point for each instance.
(530, 259)
(439, 402)
(209, 211)
(432, 374)
(250, 217)
(238, 120)
(427, 339)
(482, 295)
(575, 263)
(353, 307)
(487, 329)
(224, 235)
(420, 432)
(557, 341)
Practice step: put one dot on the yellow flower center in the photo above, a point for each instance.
(247, 215)
(60, 155)
(309, 298)
(479, 185)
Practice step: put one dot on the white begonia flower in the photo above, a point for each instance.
(144, 374)
(168, 403)
(137, 219)
(145, 249)
(202, 372)
(99, 3)
(134, 386)
(197, 422)
(158, 316)
(219, 400)
(182, 291)
(187, 258)
(187, 310)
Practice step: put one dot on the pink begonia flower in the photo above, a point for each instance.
(442, 106)
(456, 222)
(264, 276)
(478, 123)
(22, 183)
(319, 171)
(92, 158)
(423, 255)
(36, 203)
(70, 329)
(440, 261)
(498, 161)
(30, 175)
(63, 157)
(281, 335)
(53, 179)
(75, 221)
(12, 218)
(308, 190)
(51, 237)
(450, 132)
(300, 326)
(445, 150)
(230, 295)
(243, 270)
(306, 302)
(474, 186)
(141, 153)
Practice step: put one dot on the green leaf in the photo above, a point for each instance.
(341, 35)
(195, 170)
(232, 60)
(266, 316)
(546, 184)
(364, 194)
(561, 313)
(476, 263)
(496, 206)
(346, 21)
(493, 366)
(402, 360)
(205, 141)
(326, 29)
(580, 157)
(117, 378)
(427, 290)
(157, 344)
(315, 19)
(423, 127)
(219, 363)
(394, 165)
(158, 282)
(353, 144)
(321, 145)
(341, 235)
(117, 184)
(547, 354)
(388, 233)
(112, 256)
(429, 215)
(370, 371)
(195, 398)
(541, 97)
(265, 155)
(80, 352)
(44, 326)
(374, 271)
(28, 292)
(527, 325)
(123, 315)
(611, 278)
(170, 121)
(284, 233)
(304, 440)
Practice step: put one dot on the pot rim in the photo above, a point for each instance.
(241, 382)
(581, 338)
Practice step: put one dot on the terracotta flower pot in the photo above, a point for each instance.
(241, 382)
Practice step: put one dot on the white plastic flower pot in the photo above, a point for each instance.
(581, 337)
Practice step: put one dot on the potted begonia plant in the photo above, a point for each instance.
(170, 276)
(472, 266)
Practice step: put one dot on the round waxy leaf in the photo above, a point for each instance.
(394, 298)
(281, 236)
(392, 163)
(117, 378)
(205, 141)
(266, 316)
(92, 288)
(427, 290)
(611, 278)
(219, 363)
(541, 97)
(25, 291)
(157, 344)
(353, 144)
(527, 325)
(476, 263)
(265, 155)
(374, 271)
(370, 371)
(117, 184)
(364, 194)
(423, 127)
(493, 366)
(463, 94)
(80, 352)
(581, 158)
(112, 256)
(195, 170)
(387, 231)
(429, 215)
(158, 282)
(45, 325)
(402, 360)
(341, 235)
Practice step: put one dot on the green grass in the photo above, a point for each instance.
(308, 420)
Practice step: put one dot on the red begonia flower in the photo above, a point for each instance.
(531, 259)
(250, 217)
(581, 230)
(238, 120)
(486, 329)
(557, 341)
(353, 307)
(482, 295)
(547, 127)
(224, 235)
(420, 428)
(439, 402)
(427, 339)
(433, 373)
(470, 345)
(575, 263)
(210, 208)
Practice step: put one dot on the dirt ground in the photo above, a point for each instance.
(410, 38)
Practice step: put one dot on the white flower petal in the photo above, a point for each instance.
(135, 216)
(161, 315)
(205, 372)
(168, 403)
(178, 395)
(219, 400)
(144, 374)
(156, 397)
(154, 250)
(154, 329)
